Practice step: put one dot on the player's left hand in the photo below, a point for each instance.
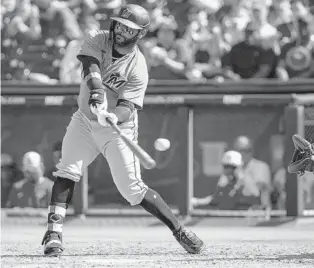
(103, 115)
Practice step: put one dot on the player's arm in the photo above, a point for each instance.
(90, 57)
(91, 72)
(124, 110)
(92, 78)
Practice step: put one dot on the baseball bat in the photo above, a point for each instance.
(145, 159)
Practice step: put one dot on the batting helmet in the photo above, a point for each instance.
(133, 16)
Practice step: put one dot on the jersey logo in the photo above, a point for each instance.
(126, 13)
(115, 80)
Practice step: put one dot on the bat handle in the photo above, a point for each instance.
(114, 126)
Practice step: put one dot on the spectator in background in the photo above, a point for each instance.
(297, 55)
(256, 173)
(206, 30)
(158, 13)
(281, 17)
(35, 189)
(20, 28)
(233, 17)
(208, 53)
(25, 22)
(228, 191)
(70, 67)
(9, 175)
(261, 57)
(167, 57)
(56, 156)
(7, 8)
(58, 20)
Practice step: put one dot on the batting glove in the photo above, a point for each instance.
(97, 97)
(102, 118)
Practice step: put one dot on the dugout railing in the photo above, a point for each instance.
(200, 120)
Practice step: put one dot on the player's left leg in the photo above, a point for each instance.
(78, 151)
(125, 170)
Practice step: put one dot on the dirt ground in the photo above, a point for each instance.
(128, 246)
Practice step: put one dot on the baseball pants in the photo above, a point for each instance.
(85, 139)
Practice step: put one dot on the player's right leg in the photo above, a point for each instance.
(78, 151)
(126, 173)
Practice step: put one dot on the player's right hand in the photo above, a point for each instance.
(96, 98)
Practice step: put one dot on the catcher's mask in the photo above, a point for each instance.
(134, 17)
(303, 156)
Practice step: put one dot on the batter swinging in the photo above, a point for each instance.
(114, 80)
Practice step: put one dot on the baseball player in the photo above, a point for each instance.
(114, 81)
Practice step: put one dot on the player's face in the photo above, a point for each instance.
(124, 33)
(259, 14)
(228, 170)
(246, 155)
(33, 174)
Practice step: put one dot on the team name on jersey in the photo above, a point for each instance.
(115, 81)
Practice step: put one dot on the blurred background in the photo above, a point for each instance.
(217, 44)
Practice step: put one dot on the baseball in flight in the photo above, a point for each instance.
(162, 144)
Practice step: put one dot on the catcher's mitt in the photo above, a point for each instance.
(303, 156)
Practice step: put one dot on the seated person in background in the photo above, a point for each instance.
(281, 17)
(35, 189)
(260, 47)
(57, 19)
(25, 22)
(256, 173)
(166, 57)
(259, 61)
(207, 54)
(296, 59)
(233, 16)
(9, 175)
(229, 184)
(70, 66)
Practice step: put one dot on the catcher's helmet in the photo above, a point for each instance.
(133, 16)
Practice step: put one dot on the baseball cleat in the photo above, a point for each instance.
(52, 242)
(189, 241)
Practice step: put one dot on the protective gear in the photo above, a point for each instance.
(132, 16)
(303, 156)
(97, 97)
(103, 115)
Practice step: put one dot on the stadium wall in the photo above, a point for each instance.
(201, 121)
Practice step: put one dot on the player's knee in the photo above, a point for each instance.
(62, 190)
(134, 194)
